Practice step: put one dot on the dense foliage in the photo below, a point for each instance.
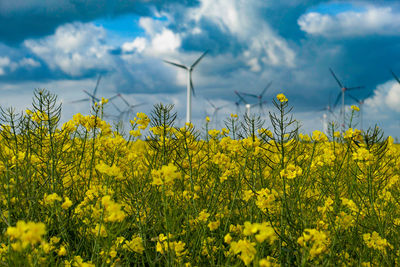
(82, 194)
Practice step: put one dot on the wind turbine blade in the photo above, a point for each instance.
(176, 64)
(224, 106)
(198, 60)
(337, 80)
(97, 85)
(209, 102)
(241, 97)
(354, 98)
(124, 100)
(266, 88)
(78, 101)
(115, 106)
(395, 76)
(354, 88)
(91, 96)
(138, 105)
(113, 97)
(337, 99)
(247, 94)
(191, 84)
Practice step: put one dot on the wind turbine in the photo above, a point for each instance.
(328, 110)
(360, 103)
(214, 117)
(341, 94)
(92, 96)
(190, 87)
(259, 97)
(129, 109)
(237, 103)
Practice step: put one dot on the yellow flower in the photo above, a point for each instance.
(228, 238)
(207, 119)
(50, 199)
(213, 225)
(245, 248)
(135, 245)
(203, 216)
(109, 170)
(100, 230)
(319, 136)
(67, 203)
(376, 242)
(27, 233)
(113, 212)
(316, 241)
(282, 98)
(355, 108)
(268, 262)
(166, 175)
(291, 171)
(62, 251)
(135, 133)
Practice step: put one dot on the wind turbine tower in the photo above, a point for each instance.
(189, 87)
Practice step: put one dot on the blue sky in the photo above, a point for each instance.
(63, 45)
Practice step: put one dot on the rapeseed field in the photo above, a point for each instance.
(83, 194)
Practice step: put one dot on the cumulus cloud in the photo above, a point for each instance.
(75, 49)
(4, 62)
(159, 39)
(243, 20)
(386, 97)
(371, 20)
(20, 20)
(28, 62)
(138, 44)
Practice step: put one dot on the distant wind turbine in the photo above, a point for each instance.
(214, 117)
(361, 104)
(259, 97)
(129, 109)
(342, 93)
(240, 100)
(190, 87)
(91, 96)
(328, 110)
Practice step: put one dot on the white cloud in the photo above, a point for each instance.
(28, 62)
(4, 62)
(242, 19)
(159, 40)
(166, 41)
(370, 21)
(74, 48)
(138, 44)
(7, 63)
(386, 98)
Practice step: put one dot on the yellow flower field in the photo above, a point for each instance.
(82, 194)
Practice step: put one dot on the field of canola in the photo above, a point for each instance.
(81, 194)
